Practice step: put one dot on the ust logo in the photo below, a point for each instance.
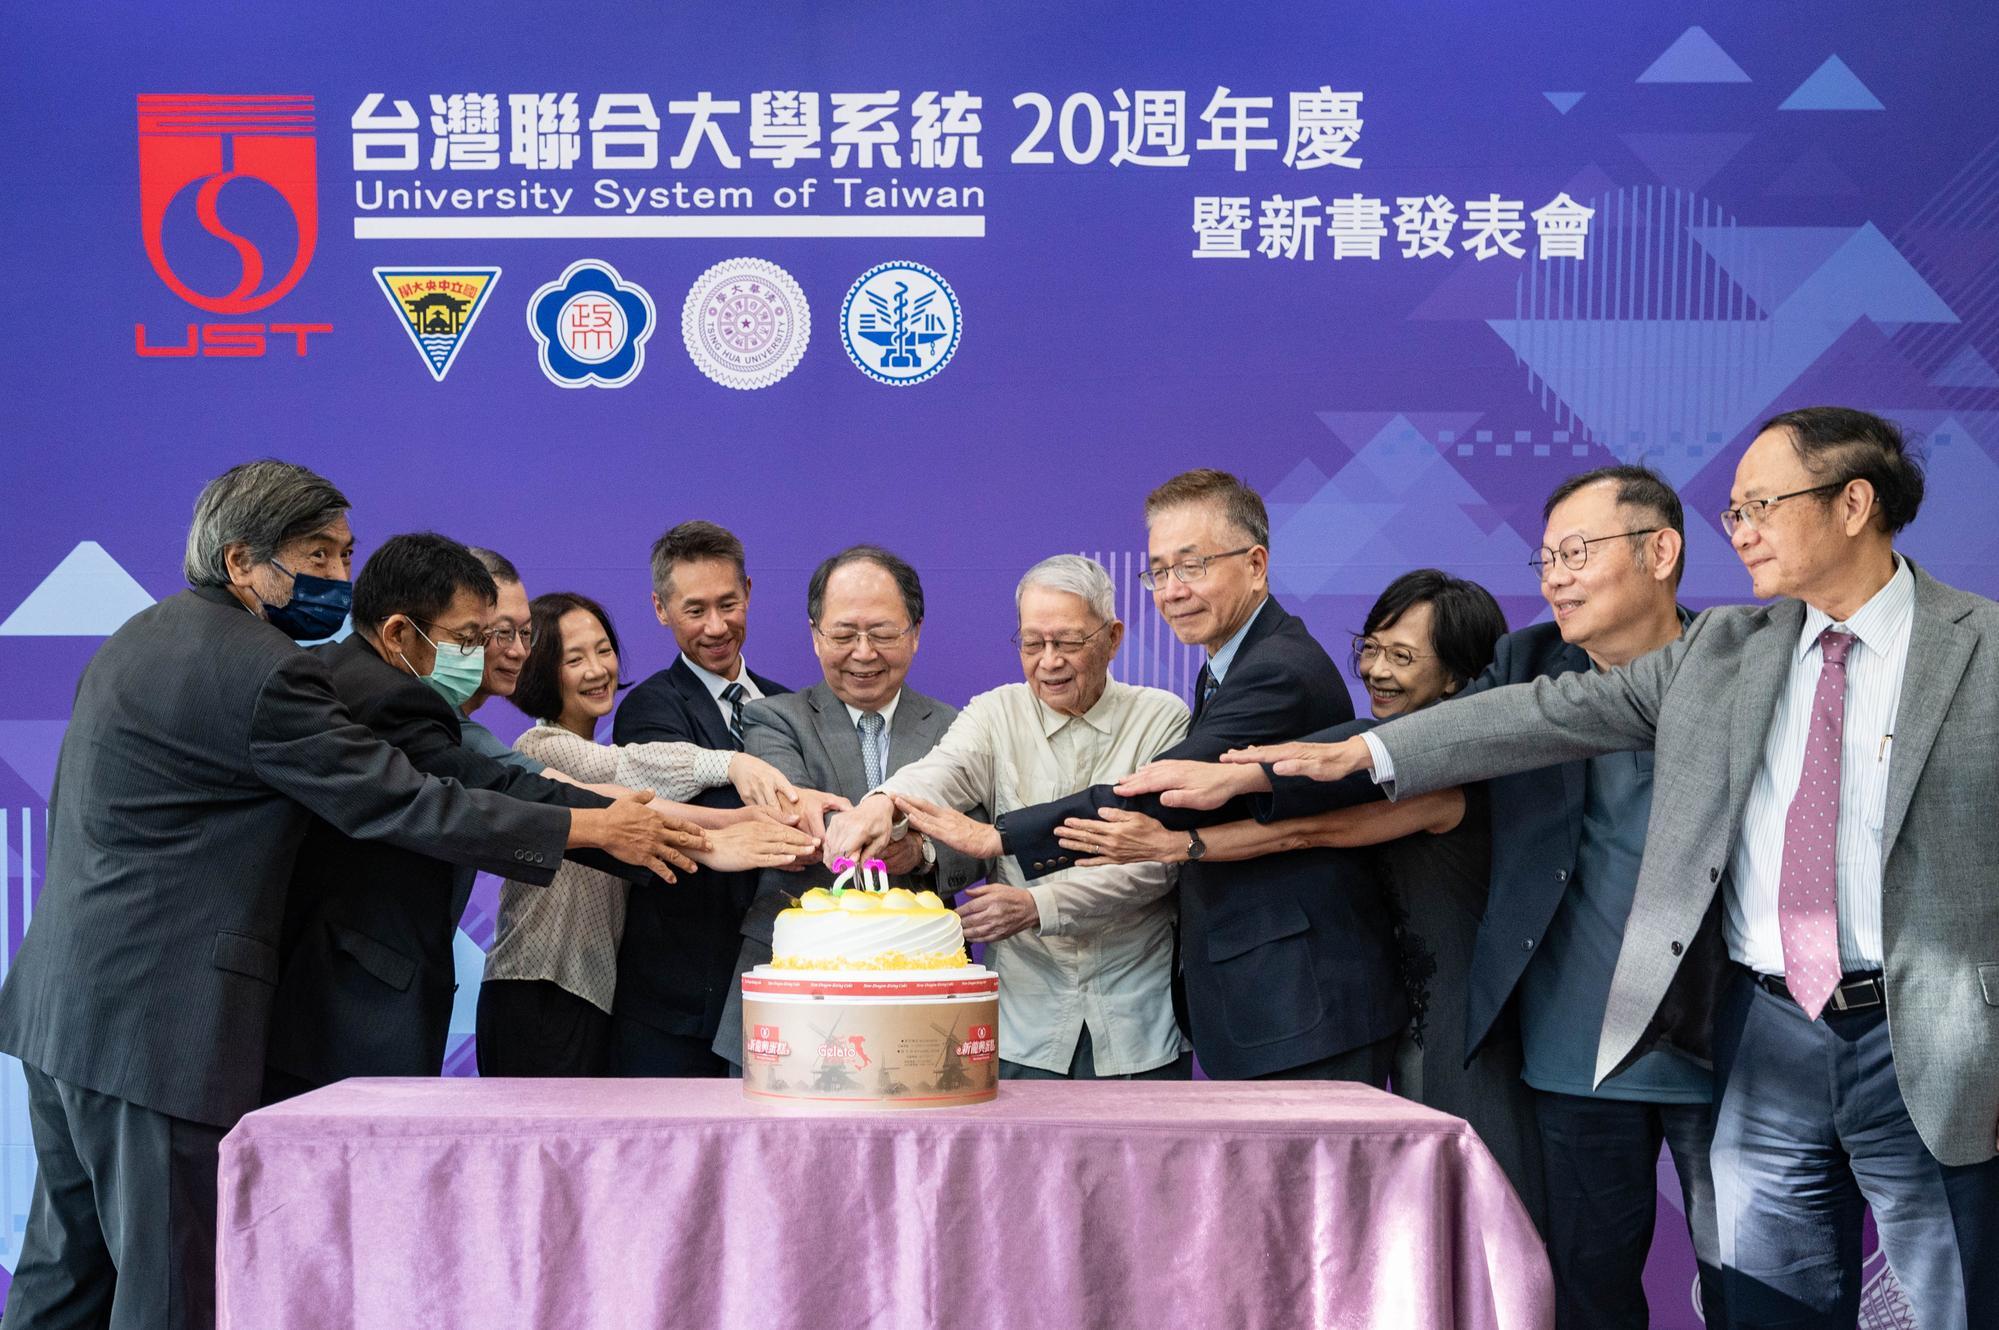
(209, 165)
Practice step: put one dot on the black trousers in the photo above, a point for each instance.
(121, 1228)
(531, 1027)
(1601, 1160)
(638, 1049)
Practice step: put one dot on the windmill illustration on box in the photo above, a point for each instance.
(951, 1068)
(831, 1075)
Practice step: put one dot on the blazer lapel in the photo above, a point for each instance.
(1575, 775)
(1766, 665)
(915, 731)
(1939, 650)
(841, 739)
(701, 706)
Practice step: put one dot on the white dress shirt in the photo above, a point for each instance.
(715, 683)
(1873, 691)
(886, 712)
(1103, 956)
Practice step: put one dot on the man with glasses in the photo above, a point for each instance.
(1818, 872)
(1289, 961)
(845, 734)
(366, 972)
(1085, 956)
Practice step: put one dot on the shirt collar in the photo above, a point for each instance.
(1218, 664)
(1100, 717)
(715, 683)
(1878, 624)
(887, 713)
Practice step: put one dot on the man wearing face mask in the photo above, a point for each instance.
(201, 743)
(367, 968)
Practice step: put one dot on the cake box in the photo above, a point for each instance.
(871, 1039)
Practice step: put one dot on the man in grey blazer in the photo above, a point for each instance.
(1816, 910)
(201, 744)
(845, 734)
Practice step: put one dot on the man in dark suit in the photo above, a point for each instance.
(201, 744)
(845, 735)
(677, 958)
(1289, 960)
(367, 973)
(1567, 842)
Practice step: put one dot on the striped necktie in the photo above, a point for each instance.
(734, 695)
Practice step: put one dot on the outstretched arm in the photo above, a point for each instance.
(1124, 836)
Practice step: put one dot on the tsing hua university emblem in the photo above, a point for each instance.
(900, 323)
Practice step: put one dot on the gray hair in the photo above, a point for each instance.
(261, 504)
(499, 565)
(1076, 575)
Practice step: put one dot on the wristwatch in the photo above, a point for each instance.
(1196, 847)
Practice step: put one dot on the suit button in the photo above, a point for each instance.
(1561, 875)
(1676, 948)
(520, 855)
(1063, 860)
(1527, 944)
(1714, 875)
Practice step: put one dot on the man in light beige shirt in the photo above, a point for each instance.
(1085, 956)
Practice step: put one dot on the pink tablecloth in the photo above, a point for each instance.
(642, 1204)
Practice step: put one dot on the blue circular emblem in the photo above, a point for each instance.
(592, 326)
(900, 323)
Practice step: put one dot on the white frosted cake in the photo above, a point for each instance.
(868, 930)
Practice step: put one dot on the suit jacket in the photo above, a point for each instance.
(1705, 704)
(1537, 832)
(201, 745)
(811, 739)
(1289, 958)
(677, 959)
(366, 967)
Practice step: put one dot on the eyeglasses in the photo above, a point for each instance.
(1187, 570)
(1574, 552)
(454, 639)
(1366, 651)
(1751, 512)
(878, 638)
(506, 637)
(1031, 647)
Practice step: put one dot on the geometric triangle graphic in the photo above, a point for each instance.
(437, 307)
(87, 595)
(30, 748)
(1685, 161)
(1967, 369)
(1832, 87)
(1770, 262)
(1694, 58)
(1814, 175)
(1564, 102)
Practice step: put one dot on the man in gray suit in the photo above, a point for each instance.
(1816, 908)
(845, 734)
(201, 744)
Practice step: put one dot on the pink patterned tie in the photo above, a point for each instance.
(1808, 888)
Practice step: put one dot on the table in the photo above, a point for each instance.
(642, 1204)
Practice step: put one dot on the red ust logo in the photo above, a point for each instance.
(203, 142)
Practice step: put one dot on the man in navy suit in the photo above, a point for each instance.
(677, 959)
(1288, 960)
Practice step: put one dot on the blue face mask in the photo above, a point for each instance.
(318, 606)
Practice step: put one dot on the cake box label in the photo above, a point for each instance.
(765, 1044)
(979, 1045)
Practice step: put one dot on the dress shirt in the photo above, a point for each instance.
(715, 683)
(1218, 664)
(1873, 691)
(886, 712)
(567, 932)
(1103, 955)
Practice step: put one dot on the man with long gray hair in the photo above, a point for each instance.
(1085, 956)
(201, 744)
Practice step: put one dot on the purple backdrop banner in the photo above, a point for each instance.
(966, 280)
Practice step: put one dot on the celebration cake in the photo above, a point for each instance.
(870, 1000)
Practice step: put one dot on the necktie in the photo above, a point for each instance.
(1207, 686)
(874, 747)
(1808, 885)
(734, 695)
